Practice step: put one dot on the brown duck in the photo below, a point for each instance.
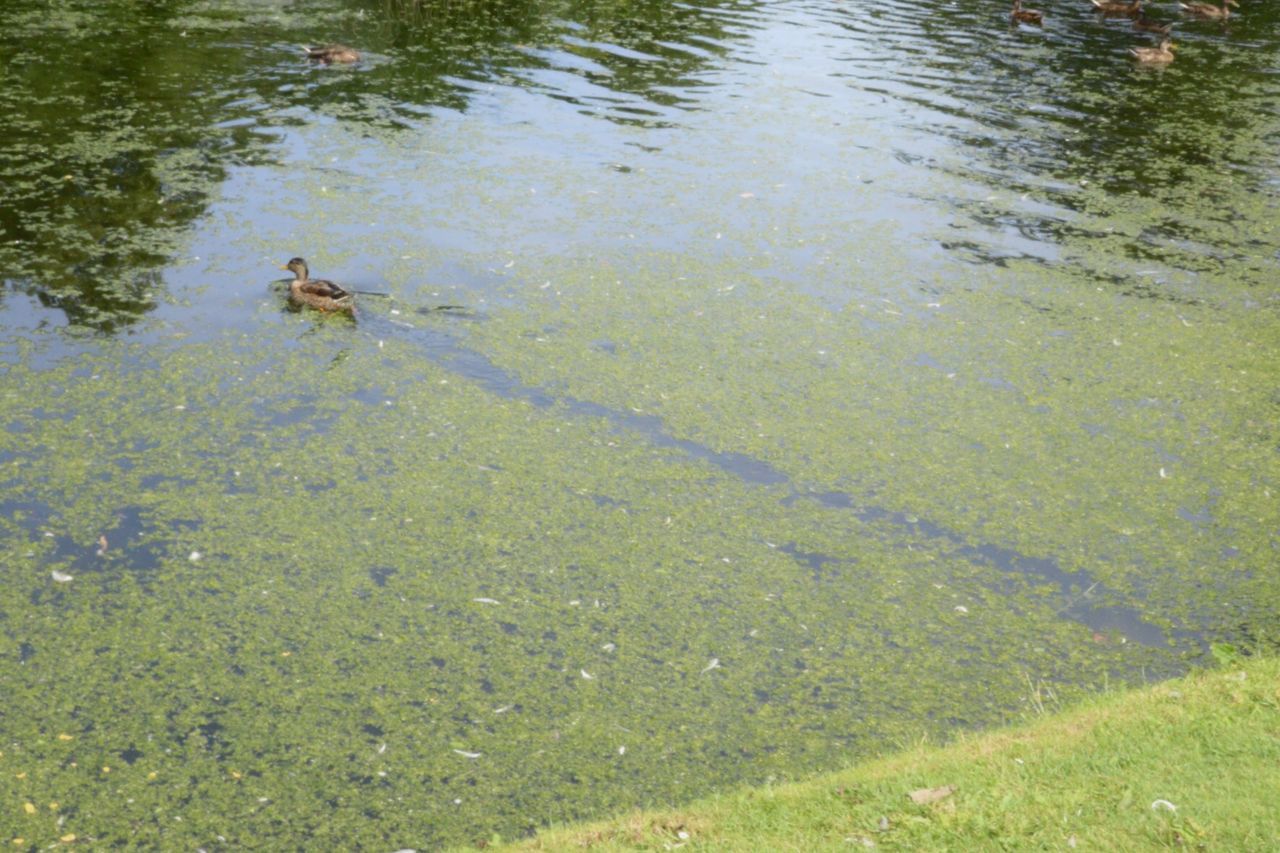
(329, 53)
(1208, 10)
(1150, 25)
(1115, 9)
(1020, 15)
(1159, 55)
(317, 292)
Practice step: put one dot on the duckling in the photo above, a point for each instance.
(1208, 10)
(1150, 25)
(1025, 16)
(317, 292)
(330, 53)
(1160, 55)
(1115, 9)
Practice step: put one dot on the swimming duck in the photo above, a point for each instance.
(1159, 55)
(1025, 16)
(1113, 8)
(1150, 25)
(328, 53)
(1208, 10)
(317, 292)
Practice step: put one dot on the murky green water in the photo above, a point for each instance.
(829, 375)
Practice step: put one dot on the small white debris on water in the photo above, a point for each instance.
(575, 602)
(622, 750)
(608, 647)
(504, 709)
(1163, 804)
(960, 608)
(195, 555)
(61, 577)
(466, 754)
(1164, 475)
(714, 664)
(486, 601)
(587, 675)
(382, 747)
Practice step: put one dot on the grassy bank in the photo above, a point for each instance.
(1192, 763)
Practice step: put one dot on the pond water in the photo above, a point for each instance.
(826, 375)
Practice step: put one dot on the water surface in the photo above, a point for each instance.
(827, 375)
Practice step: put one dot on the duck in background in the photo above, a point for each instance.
(1209, 11)
(1115, 9)
(1150, 25)
(1162, 54)
(330, 53)
(1020, 15)
(1025, 16)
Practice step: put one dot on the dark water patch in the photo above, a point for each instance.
(816, 562)
(381, 574)
(134, 542)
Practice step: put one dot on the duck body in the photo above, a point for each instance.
(1149, 25)
(330, 53)
(1162, 54)
(1020, 15)
(1114, 9)
(1208, 10)
(319, 293)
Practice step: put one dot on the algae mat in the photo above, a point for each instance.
(344, 588)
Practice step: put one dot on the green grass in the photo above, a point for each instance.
(1099, 776)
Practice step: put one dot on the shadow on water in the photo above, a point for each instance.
(1078, 589)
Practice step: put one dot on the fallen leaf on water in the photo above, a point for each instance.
(924, 796)
(29, 808)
